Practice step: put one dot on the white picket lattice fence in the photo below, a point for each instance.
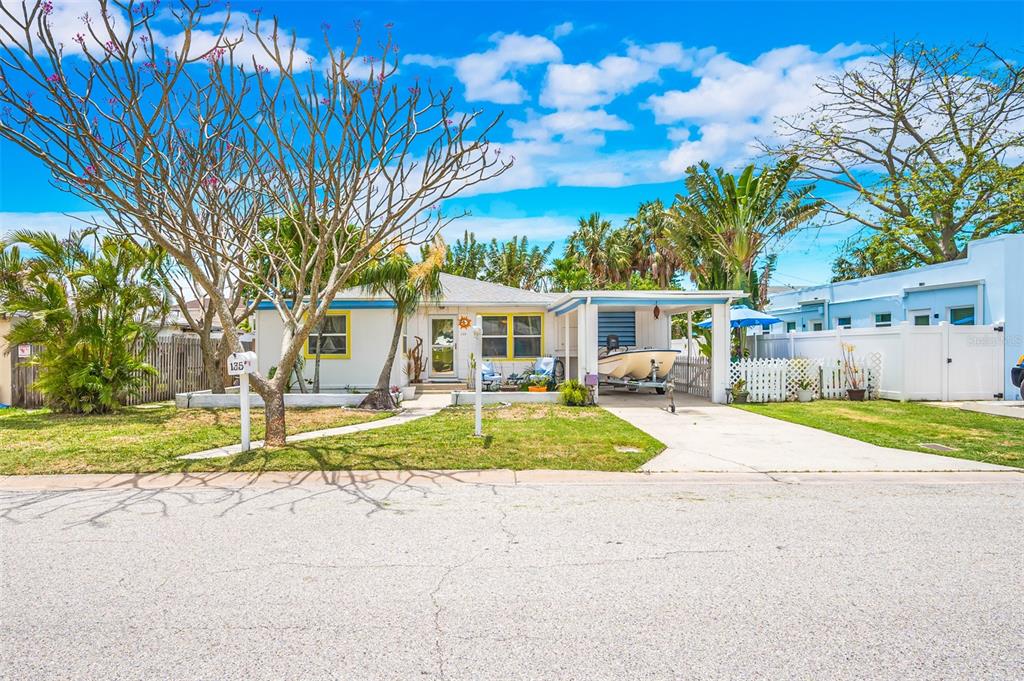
(776, 380)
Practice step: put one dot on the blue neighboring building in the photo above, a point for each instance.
(986, 287)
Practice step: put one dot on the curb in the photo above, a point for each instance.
(503, 477)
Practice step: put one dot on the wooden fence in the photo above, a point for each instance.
(178, 361)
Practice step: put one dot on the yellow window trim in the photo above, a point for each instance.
(348, 337)
(509, 336)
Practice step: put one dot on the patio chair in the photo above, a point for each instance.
(490, 379)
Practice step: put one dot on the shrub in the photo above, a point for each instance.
(574, 393)
(94, 308)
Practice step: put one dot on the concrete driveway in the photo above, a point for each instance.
(702, 436)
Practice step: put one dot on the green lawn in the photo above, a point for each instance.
(137, 439)
(906, 425)
(141, 440)
(519, 437)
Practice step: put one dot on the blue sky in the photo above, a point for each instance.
(605, 103)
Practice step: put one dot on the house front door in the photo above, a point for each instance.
(442, 347)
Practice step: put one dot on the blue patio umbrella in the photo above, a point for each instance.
(742, 316)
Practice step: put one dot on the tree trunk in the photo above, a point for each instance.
(223, 352)
(380, 397)
(316, 365)
(210, 352)
(274, 414)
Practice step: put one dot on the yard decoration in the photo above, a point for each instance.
(855, 390)
(415, 364)
(220, 133)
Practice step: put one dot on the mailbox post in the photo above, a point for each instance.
(242, 364)
(478, 398)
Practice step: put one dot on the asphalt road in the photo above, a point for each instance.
(644, 581)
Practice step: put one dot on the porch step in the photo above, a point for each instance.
(439, 387)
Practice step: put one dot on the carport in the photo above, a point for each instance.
(652, 311)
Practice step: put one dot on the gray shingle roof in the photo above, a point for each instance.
(473, 291)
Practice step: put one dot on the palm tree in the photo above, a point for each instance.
(591, 245)
(723, 228)
(408, 284)
(568, 275)
(516, 263)
(648, 255)
(465, 258)
(95, 308)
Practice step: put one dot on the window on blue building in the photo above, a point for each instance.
(844, 322)
(790, 326)
(883, 319)
(961, 316)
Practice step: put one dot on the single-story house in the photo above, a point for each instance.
(518, 326)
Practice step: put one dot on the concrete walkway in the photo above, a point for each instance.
(1013, 410)
(702, 436)
(424, 405)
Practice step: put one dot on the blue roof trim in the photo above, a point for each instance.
(341, 305)
(568, 307)
(659, 301)
(572, 304)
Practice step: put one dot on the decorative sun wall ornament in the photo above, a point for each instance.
(465, 322)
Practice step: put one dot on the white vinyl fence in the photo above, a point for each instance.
(941, 362)
(777, 380)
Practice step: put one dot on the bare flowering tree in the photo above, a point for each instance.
(929, 141)
(186, 135)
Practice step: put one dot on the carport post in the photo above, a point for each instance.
(565, 370)
(591, 347)
(720, 333)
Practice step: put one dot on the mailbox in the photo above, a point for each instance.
(241, 363)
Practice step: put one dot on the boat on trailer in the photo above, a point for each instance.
(634, 369)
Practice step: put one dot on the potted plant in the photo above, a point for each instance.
(854, 387)
(408, 392)
(739, 391)
(804, 390)
(538, 385)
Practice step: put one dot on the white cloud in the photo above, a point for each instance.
(540, 163)
(582, 127)
(49, 221)
(580, 86)
(561, 30)
(489, 75)
(734, 104)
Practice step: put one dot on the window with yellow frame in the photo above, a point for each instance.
(333, 334)
(512, 336)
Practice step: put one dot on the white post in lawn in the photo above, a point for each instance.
(242, 364)
(720, 334)
(478, 345)
(243, 392)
